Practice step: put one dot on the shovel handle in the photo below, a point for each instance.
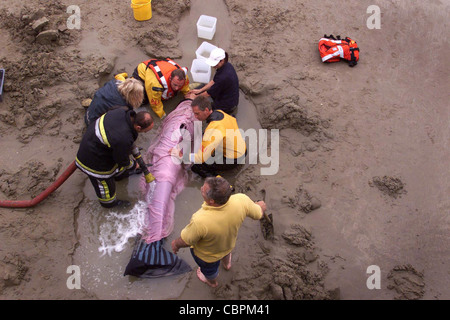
(267, 218)
(263, 193)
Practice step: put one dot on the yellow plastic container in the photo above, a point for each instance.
(142, 9)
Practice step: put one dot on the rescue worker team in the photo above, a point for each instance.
(113, 126)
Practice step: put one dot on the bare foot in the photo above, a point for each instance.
(202, 278)
(227, 262)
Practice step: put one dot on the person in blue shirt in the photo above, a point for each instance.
(114, 93)
(224, 88)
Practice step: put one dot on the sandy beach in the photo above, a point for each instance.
(360, 197)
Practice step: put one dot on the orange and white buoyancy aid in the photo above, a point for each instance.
(162, 69)
(333, 50)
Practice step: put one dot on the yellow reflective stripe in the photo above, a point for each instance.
(131, 164)
(109, 200)
(105, 193)
(102, 131)
(94, 171)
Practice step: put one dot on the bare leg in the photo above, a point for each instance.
(202, 278)
(227, 262)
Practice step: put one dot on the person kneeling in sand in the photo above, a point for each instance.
(162, 80)
(223, 147)
(129, 93)
(213, 230)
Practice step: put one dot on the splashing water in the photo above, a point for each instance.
(119, 228)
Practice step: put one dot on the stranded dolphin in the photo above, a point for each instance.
(149, 259)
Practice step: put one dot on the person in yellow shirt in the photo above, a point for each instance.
(212, 232)
(223, 147)
(162, 79)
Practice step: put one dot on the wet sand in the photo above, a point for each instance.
(369, 142)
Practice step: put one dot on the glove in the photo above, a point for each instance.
(121, 76)
(149, 177)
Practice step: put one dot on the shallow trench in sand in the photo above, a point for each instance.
(106, 237)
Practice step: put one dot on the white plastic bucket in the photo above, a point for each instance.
(206, 27)
(201, 71)
(204, 50)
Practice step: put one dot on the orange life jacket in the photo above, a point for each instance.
(162, 69)
(334, 49)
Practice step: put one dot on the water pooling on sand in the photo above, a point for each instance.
(106, 237)
(118, 229)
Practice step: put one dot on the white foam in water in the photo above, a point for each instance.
(119, 228)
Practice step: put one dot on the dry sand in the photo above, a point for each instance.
(364, 155)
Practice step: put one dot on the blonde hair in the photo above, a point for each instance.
(133, 92)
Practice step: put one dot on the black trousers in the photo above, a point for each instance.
(105, 188)
(212, 170)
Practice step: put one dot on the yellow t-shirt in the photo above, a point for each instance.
(224, 134)
(212, 231)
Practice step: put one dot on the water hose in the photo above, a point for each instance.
(142, 165)
(31, 203)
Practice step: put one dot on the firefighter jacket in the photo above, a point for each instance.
(106, 146)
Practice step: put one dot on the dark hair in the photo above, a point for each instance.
(178, 73)
(202, 103)
(226, 57)
(142, 121)
(219, 190)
